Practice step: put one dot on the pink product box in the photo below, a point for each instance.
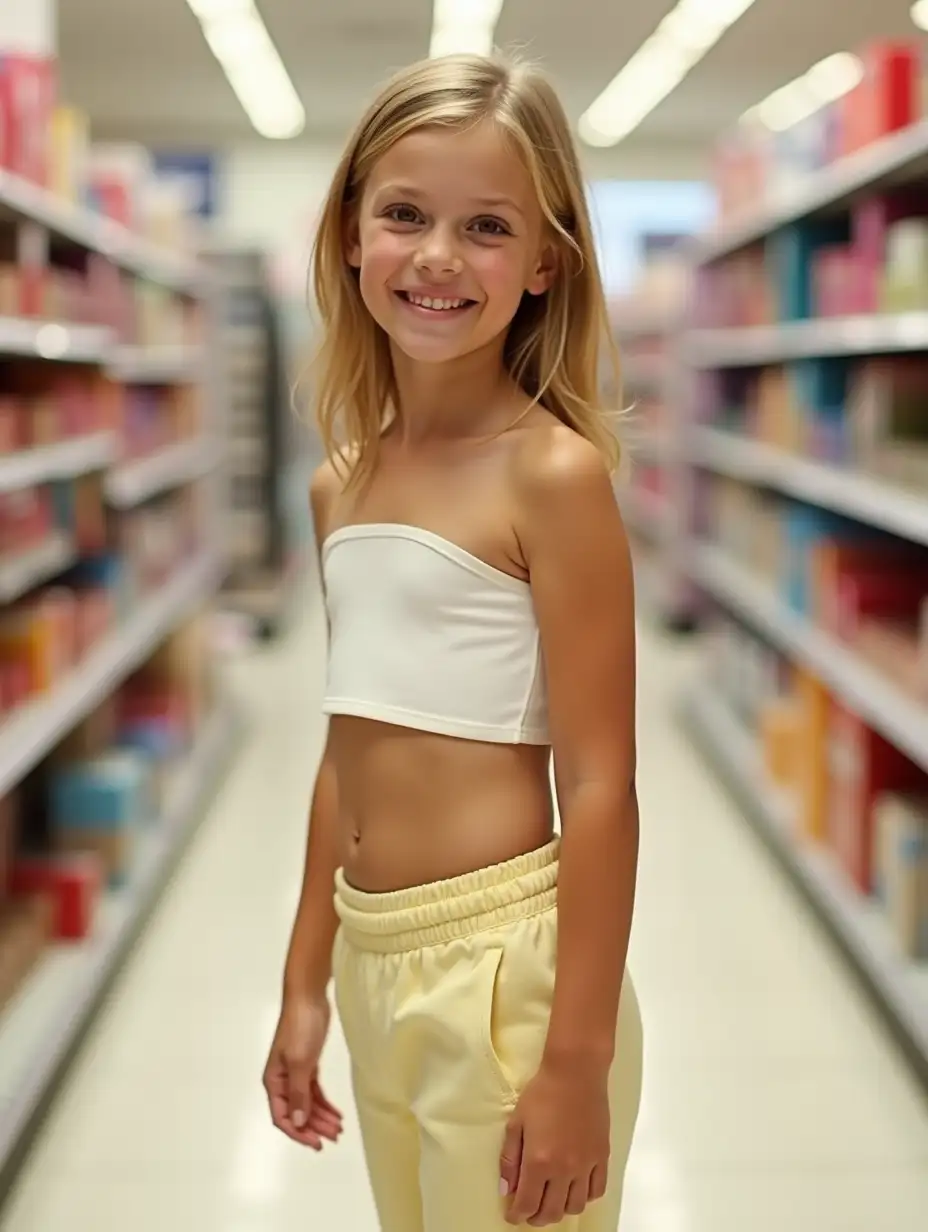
(871, 221)
(28, 87)
(836, 281)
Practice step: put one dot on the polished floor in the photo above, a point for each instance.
(772, 1099)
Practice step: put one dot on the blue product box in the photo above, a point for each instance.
(804, 527)
(157, 739)
(789, 253)
(820, 387)
(107, 793)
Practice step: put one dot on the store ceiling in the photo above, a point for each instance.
(143, 71)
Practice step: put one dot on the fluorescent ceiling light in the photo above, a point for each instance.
(823, 83)
(687, 33)
(464, 26)
(919, 14)
(239, 40)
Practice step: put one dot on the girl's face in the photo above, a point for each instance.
(448, 239)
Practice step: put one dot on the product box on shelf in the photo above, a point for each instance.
(9, 839)
(780, 729)
(69, 154)
(905, 273)
(71, 882)
(862, 765)
(100, 806)
(811, 763)
(28, 86)
(887, 98)
(790, 253)
(901, 868)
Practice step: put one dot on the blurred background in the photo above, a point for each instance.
(758, 174)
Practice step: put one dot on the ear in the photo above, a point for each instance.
(545, 271)
(352, 239)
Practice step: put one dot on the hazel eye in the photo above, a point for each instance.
(404, 214)
(491, 226)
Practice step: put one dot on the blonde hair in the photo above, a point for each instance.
(556, 341)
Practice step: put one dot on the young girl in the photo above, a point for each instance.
(479, 598)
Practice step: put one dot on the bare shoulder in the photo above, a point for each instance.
(324, 489)
(555, 470)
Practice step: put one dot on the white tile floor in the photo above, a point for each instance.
(772, 1100)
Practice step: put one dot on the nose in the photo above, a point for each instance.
(437, 254)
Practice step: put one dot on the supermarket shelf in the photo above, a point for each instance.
(31, 733)
(46, 1021)
(71, 344)
(66, 460)
(880, 334)
(900, 987)
(177, 365)
(858, 495)
(27, 202)
(898, 159)
(899, 718)
(20, 573)
(134, 482)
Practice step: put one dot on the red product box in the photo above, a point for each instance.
(9, 832)
(878, 594)
(887, 98)
(72, 881)
(862, 766)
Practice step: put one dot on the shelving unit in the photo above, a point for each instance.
(899, 987)
(750, 447)
(44, 1019)
(267, 470)
(651, 494)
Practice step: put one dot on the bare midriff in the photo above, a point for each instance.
(416, 807)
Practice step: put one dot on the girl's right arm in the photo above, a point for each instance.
(298, 1106)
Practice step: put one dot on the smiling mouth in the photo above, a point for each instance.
(437, 304)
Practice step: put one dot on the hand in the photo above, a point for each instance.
(555, 1156)
(299, 1108)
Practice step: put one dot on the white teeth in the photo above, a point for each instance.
(426, 301)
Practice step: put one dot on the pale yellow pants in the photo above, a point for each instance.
(444, 993)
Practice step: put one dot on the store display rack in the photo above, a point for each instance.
(267, 447)
(879, 501)
(650, 493)
(71, 982)
(899, 988)
(46, 1015)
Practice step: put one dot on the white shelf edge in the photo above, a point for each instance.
(54, 340)
(131, 483)
(900, 719)
(27, 736)
(747, 346)
(901, 986)
(68, 459)
(20, 574)
(105, 951)
(95, 233)
(164, 365)
(886, 161)
(866, 498)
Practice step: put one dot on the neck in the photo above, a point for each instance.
(449, 401)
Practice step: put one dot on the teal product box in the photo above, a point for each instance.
(820, 389)
(789, 253)
(803, 528)
(106, 793)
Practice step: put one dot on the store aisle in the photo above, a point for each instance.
(772, 1100)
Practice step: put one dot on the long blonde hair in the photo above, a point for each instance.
(556, 342)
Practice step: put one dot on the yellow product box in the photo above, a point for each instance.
(69, 146)
(780, 729)
(812, 755)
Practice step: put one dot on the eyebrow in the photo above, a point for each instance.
(487, 203)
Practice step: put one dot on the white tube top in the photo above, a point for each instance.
(422, 634)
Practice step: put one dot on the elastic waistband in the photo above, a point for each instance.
(442, 911)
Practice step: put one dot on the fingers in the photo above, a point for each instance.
(529, 1194)
(510, 1161)
(598, 1179)
(299, 1109)
(553, 1204)
(319, 1098)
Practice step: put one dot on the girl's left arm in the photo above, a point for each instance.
(581, 576)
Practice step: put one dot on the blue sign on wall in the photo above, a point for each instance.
(199, 173)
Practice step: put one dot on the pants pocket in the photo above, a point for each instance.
(487, 976)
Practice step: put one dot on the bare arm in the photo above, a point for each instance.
(582, 587)
(309, 959)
